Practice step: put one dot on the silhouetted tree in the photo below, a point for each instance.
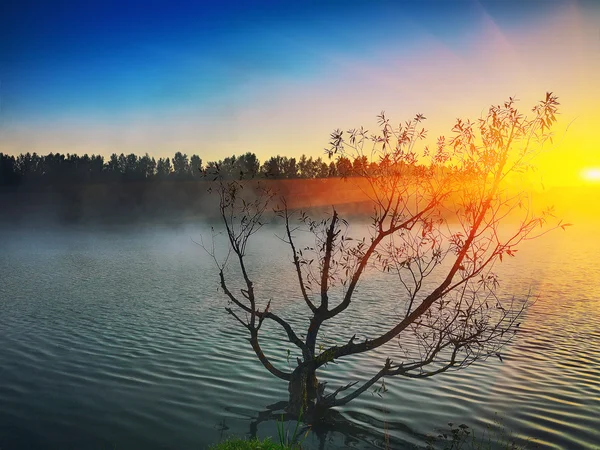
(322, 169)
(280, 167)
(360, 165)
(96, 167)
(131, 168)
(248, 165)
(112, 167)
(181, 166)
(273, 167)
(146, 167)
(290, 168)
(196, 166)
(309, 168)
(436, 227)
(230, 166)
(332, 170)
(163, 168)
(343, 166)
(306, 167)
(122, 164)
(8, 172)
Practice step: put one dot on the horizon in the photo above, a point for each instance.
(269, 79)
(257, 218)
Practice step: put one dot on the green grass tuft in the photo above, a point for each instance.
(252, 444)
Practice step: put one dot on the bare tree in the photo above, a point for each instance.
(440, 219)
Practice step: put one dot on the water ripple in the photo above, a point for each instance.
(120, 340)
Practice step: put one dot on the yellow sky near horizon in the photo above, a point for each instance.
(559, 53)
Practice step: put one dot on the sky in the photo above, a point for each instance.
(276, 77)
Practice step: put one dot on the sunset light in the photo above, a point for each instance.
(591, 174)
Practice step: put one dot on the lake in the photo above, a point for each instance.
(116, 337)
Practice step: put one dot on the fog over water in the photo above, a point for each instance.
(115, 336)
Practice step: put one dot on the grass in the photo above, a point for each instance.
(460, 437)
(249, 444)
(455, 437)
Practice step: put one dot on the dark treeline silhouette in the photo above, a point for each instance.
(74, 188)
(33, 170)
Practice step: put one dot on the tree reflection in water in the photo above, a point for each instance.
(334, 430)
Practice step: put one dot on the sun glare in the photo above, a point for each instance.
(591, 174)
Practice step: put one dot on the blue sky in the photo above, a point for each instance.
(111, 57)
(210, 78)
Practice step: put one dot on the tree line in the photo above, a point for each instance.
(56, 168)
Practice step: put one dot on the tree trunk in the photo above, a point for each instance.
(303, 389)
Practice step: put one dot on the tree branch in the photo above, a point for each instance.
(310, 304)
(331, 401)
(329, 242)
(264, 360)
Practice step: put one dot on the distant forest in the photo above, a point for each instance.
(33, 170)
(59, 188)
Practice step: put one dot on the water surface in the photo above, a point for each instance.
(116, 338)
